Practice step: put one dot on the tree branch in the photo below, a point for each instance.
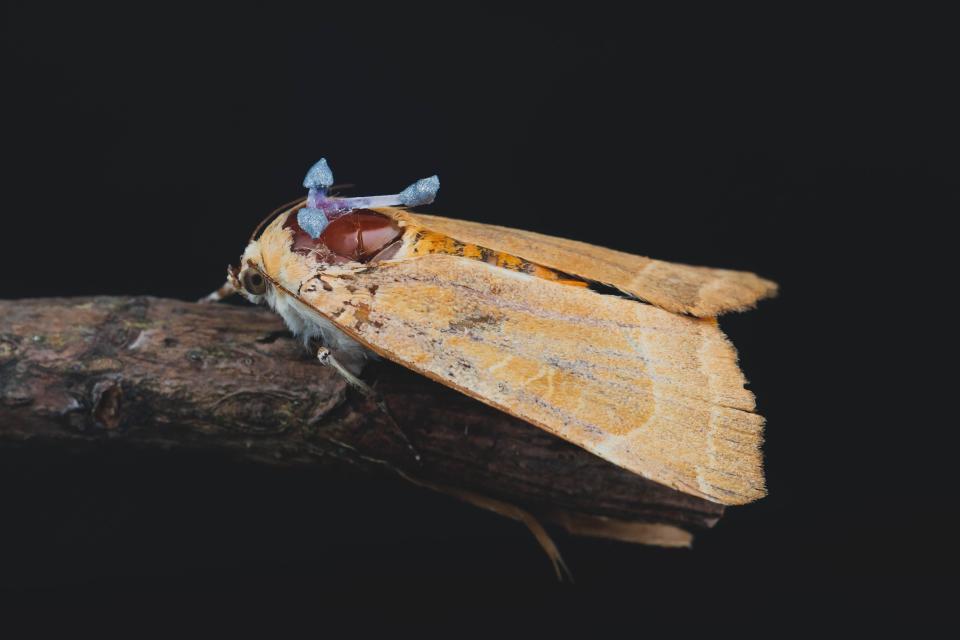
(165, 373)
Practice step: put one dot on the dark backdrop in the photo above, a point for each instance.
(784, 145)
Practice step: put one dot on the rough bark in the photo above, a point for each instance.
(165, 373)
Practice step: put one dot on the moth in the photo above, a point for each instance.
(616, 353)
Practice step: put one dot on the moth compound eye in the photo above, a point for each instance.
(253, 282)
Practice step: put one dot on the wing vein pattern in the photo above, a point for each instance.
(655, 392)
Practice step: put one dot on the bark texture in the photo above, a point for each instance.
(166, 373)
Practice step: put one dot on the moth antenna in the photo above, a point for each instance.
(228, 289)
(335, 189)
(325, 357)
(273, 214)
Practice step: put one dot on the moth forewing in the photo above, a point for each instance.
(680, 288)
(488, 311)
(656, 393)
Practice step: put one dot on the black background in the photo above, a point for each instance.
(141, 147)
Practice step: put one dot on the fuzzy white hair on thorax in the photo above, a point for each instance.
(308, 325)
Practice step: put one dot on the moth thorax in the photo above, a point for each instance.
(362, 235)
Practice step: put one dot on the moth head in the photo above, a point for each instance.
(249, 278)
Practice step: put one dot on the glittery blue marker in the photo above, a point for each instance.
(313, 221)
(420, 192)
(319, 176)
(321, 210)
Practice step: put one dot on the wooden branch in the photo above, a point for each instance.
(165, 373)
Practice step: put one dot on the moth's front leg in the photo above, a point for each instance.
(325, 357)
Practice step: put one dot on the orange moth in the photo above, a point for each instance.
(617, 353)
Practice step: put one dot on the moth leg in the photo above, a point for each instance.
(514, 512)
(495, 505)
(326, 357)
(506, 510)
(222, 293)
